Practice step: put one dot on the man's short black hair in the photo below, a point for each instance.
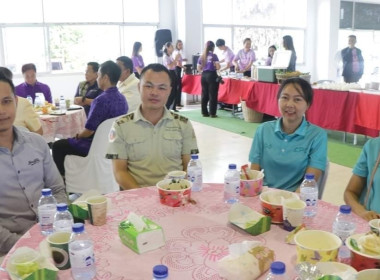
(27, 67)
(112, 70)
(127, 62)
(155, 67)
(220, 43)
(94, 66)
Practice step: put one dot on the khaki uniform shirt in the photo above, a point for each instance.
(151, 150)
(25, 115)
(129, 88)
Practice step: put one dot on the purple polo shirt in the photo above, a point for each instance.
(111, 103)
(209, 66)
(137, 61)
(25, 89)
(228, 55)
(245, 58)
(166, 60)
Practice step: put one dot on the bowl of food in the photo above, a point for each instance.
(365, 250)
(253, 185)
(174, 192)
(317, 246)
(271, 203)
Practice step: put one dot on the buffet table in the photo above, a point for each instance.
(197, 236)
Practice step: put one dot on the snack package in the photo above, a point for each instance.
(246, 261)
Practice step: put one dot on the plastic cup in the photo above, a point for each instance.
(68, 103)
(292, 212)
(25, 263)
(375, 226)
(59, 247)
(97, 210)
(177, 174)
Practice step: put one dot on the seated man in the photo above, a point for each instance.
(88, 90)
(111, 103)
(25, 114)
(26, 168)
(128, 83)
(151, 141)
(363, 190)
(31, 85)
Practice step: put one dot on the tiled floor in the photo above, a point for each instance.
(218, 148)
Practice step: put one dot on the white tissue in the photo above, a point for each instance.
(136, 221)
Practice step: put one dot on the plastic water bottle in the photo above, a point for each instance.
(46, 211)
(38, 101)
(62, 104)
(63, 220)
(81, 250)
(194, 173)
(231, 184)
(30, 99)
(160, 272)
(277, 271)
(309, 194)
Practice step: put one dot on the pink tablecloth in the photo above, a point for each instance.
(63, 126)
(197, 236)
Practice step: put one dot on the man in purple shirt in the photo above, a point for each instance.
(31, 85)
(111, 103)
(228, 55)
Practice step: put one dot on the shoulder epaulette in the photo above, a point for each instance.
(125, 118)
(179, 117)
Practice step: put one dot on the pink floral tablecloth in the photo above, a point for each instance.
(63, 126)
(197, 236)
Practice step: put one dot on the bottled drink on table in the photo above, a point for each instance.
(160, 272)
(343, 227)
(30, 99)
(194, 173)
(231, 184)
(46, 210)
(63, 220)
(277, 271)
(81, 250)
(309, 194)
(38, 101)
(62, 104)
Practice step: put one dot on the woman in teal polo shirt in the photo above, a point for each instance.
(290, 146)
(363, 189)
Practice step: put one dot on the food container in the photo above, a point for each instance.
(174, 192)
(252, 187)
(316, 246)
(375, 226)
(271, 203)
(360, 257)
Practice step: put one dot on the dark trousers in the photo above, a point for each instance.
(247, 73)
(209, 92)
(60, 149)
(352, 78)
(178, 72)
(171, 103)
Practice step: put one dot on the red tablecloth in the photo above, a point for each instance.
(197, 236)
(368, 110)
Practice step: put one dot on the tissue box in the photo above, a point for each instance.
(248, 219)
(150, 238)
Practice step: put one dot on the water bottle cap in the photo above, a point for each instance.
(345, 209)
(46, 192)
(194, 156)
(309, 176)
(160, 271)
(232, 166)
(277, 268)
(78, 227)
(61, 207)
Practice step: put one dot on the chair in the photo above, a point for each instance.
(322, 180)
(93, 172)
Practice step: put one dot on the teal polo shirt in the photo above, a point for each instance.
(364, 167)
(285, 157)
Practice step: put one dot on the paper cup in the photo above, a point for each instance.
(252, 187)
(177, 174)
(175, 193)
(375, 226)
(25, 263)
(59, 247)
(97, 210)
(68, 103)
(292, 211)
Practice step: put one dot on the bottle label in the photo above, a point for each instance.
(46, 214)
(195, 176)
(232, 187)
(82, 258)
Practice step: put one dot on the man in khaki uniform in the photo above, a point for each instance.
(150, 142)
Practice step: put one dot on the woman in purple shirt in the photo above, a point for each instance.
(244, 58)
(170, 63)
(208, 64)
(137, 59)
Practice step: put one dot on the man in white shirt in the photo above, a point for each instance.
(128, 83)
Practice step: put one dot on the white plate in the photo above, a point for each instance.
(335, 268)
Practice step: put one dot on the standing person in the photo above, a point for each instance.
(244, 58)
(128, 83)
(228, 55)
(31, 86)
(290, 147)
(287, 42)
(208, 64)
(111, 103)
(353, 62)
(178, 70)
(271, 50)
(26, 168)
(170, 63)
(88, 90)
(137, 59)
(150, 142)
